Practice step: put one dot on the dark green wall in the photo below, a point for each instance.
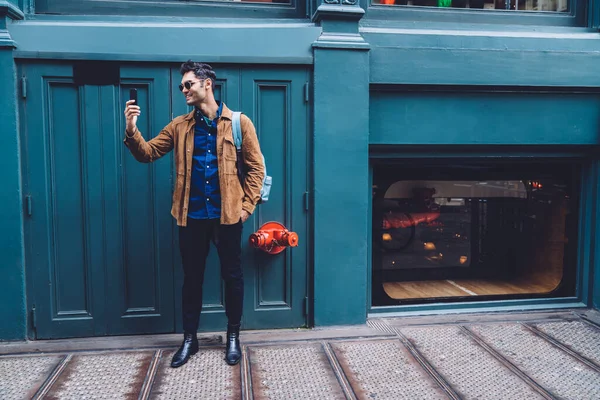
(459, 65)
(340, 186)
(166, 40)
(341, 180)
(596, 287)
(472, 115)
(545, 57)
(12, 284)
(594, 248)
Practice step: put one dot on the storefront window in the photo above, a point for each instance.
(517, 5)
(510, 233)
(253, 1)
(188, 8)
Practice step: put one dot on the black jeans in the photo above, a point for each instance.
(194, 244)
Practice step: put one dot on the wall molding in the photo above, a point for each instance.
(10, 10)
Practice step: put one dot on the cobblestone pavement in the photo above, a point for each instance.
(494, 356)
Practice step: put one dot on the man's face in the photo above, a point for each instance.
(196, 94)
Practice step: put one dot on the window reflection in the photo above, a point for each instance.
(431, 220)
(462, 238)
(254, 1)
(517, 5)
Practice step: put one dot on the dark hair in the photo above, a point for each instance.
(201, 70)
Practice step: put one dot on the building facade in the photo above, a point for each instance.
(432, 155)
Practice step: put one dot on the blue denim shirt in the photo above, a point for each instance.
(205, 193)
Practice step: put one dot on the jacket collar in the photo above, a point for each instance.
(225, 113)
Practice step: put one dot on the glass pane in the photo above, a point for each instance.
(518, 5)
(469, 237)
(254, 1)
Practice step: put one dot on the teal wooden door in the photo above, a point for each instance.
(101, 252)
(275, 285)
(98, 230)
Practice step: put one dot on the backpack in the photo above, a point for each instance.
(237, 140)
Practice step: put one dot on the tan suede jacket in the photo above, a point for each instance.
(179, 134)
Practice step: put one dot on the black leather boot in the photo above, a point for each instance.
(233, 351)
(188, 348)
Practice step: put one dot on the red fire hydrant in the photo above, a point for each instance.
(273, 238)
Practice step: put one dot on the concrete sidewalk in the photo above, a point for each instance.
(547, 355)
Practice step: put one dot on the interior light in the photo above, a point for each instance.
(429, 246)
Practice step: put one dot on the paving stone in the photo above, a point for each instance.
(293, 372)
(552, 368)
(204, 376)
(472, 371)
(385, 370)
(107, 376)
(578, 336)
(21, 377)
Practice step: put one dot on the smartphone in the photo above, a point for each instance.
(133, 96)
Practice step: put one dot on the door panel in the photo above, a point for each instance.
(142, 275)
(62, 252)
(276, 284)
(100, 235)
(102, 249)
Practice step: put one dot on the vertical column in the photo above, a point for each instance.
(594, 14)
(593, 248)
(341, 182)
(12, 284)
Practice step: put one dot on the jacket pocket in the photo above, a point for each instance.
(229, 164)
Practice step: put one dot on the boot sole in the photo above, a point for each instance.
(233, 363)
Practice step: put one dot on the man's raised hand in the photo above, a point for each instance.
(132, 112)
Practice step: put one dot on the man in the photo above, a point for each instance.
(209, 201)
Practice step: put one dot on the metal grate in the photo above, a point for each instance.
(205, 376)
(380, 325)
(21, 377)
(468, 368)
(102, 376)
(578, 336)
(293, 372)
(385, 370)
(552, 368)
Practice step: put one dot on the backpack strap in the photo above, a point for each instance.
(237, 129)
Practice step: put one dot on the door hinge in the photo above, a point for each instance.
(24, 87)
(306, 201)
(306, 92)
(28, 206)
(305, 307)
(33, 318)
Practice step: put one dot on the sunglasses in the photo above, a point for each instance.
(188, 85)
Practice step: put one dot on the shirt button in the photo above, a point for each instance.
(208, 166)
(209, 151)
(206, 181)
(207, 199)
